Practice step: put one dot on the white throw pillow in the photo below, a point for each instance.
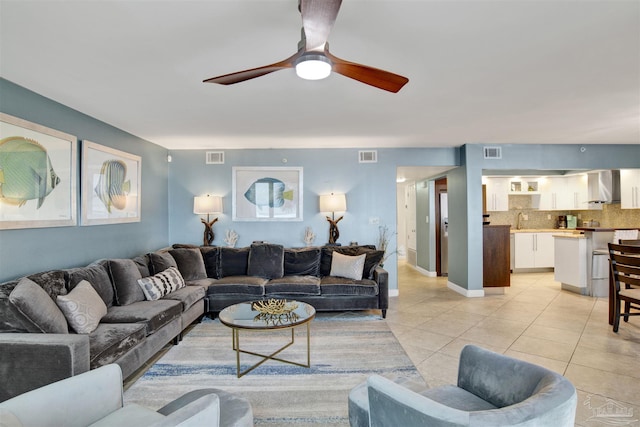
(161, 284)
(347, 266)
(82, 307)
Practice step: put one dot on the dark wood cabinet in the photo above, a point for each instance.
(496, 256)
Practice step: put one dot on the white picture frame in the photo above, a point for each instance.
(267, 194)
(111, 185)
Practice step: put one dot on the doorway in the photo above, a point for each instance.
(442, 227)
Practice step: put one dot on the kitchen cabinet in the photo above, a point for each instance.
(496, 256)
(497, 194)
(571, 262)
(533, 250)
(563, 193)
(630, 188)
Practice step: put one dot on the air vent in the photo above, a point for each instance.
(215, 157)
(492, 152)
(368, 156)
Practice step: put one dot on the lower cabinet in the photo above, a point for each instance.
(533, 250)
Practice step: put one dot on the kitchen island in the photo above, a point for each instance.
(571, 261)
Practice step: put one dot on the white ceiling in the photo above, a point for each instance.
(514, 71)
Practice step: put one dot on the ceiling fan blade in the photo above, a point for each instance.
(372, 76)
(241, 76)
(318, 17)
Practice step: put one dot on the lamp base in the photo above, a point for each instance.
(208, 231)
(334, 234)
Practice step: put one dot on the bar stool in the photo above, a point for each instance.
(600, 262)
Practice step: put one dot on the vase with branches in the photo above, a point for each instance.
(384, 238)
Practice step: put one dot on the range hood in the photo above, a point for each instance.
(604, 186)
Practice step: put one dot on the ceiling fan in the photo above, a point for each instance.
(313, 60)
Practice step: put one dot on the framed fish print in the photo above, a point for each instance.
(111, 185)
(267, 194)
(37, 175)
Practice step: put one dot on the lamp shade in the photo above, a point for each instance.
(207, 205)
(333, 203)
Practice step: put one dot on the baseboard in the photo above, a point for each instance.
(475, 293)
(425, 272)
(394, 292)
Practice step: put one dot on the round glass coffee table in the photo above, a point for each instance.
(267, 315)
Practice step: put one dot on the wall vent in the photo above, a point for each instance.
(492, 152)
(368, 156)
(215, 157)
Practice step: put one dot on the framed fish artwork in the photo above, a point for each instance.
(111, 185)
(267, 193)
(37, 175)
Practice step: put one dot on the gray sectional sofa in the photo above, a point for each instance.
(39, 345)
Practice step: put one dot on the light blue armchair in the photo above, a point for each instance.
(493, 390)
(94, 398)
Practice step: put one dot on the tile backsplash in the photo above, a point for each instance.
(610, 216)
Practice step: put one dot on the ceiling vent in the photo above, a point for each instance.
(492, 152)
(215, 157)
(368, 156)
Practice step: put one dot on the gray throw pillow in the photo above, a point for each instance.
(350, 267)
(83, 308)
(233, 262)
(124, 275)
(36, 305)
(302, 262)
(266, 260)
(160, 261)
(190, 263)
(97, 275)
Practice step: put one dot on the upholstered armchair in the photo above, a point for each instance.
(95, 398)
(493, 390)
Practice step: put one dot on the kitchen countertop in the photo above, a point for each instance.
(541, 230)
(570, 235)
(596, 229)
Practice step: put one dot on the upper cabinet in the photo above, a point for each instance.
(630, 188)
(497, 194)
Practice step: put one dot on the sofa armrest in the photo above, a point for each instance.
(31, 360)
(77, 401)
(381, 276)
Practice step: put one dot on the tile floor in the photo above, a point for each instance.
(535, 321)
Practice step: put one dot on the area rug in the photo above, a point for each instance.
(345, 350)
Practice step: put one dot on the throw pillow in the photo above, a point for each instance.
(190, 263)
(161, 284)
(125, 274)
(82, 307)
(266, 260)
(233, 262)
(160, 261)
(302, 262)
(211, 258)
(36, 304)
(347, 266)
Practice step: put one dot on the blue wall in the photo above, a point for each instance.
(31, 250)
(370, 190)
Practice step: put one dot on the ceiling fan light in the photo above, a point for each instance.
(313, 67)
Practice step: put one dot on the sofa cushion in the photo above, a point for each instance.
(153, 314)
(96, 274)
(238, 285)
(347, 266)
(456, 397)
(188, 296)
(160, 261)
(124, 275)
(37, 306)
(233, 262)
(53, 282)
(266, 260)
(302, 262)
(331, 285)
(293, 285)
(160, 284)
(190, 263)
(142, 262)
(211, 258)
(82, 307)
(110, 341)
(371, 262)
